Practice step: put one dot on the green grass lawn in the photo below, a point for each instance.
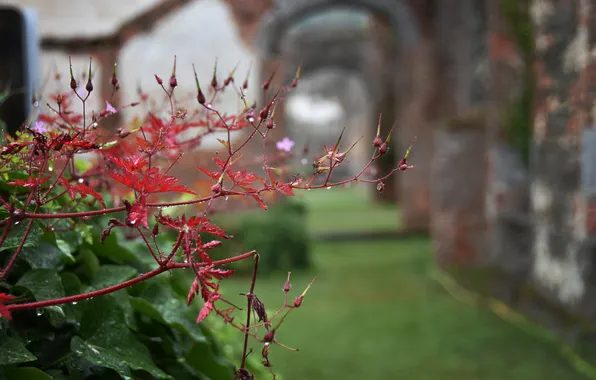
(374, 313)
(337, 210)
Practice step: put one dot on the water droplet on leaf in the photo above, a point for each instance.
(39, 312)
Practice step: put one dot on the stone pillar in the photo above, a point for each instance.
(562, 188)
(508, 124)
(459, 165)
(387, 105)
(419, 120)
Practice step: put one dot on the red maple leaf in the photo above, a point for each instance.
(207, 307)
(29, 182)
(285, 188)
(82, 189)
(135, 175)
(137, 214)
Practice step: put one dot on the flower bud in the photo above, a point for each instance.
(158, 79)
(114, 80)
(298, 301)
(245, 84)
(294, 83)
(73, 83)
(89, 86)
(155, 230)
(269, 336)
(173, 81)
(377, 142)
(201, 97)
(264, 112)
(380, 187)
(216, 189)
(383, 149)
(270, 124)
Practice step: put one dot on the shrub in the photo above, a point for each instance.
(86, 231)
(280, 236)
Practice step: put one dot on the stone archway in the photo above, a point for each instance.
(393, 30)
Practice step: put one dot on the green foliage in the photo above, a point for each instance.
(143, 332)
(279, 235)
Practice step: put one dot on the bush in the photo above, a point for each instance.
(279, 235)
(85, 232)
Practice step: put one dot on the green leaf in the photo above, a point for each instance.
(112, 249)
(202, 358)
(100, 312)
(44, 284)
(86, 232)
(90, 262)
(15, 235)
(108, 275)
(13, 352)
(71, 283)
(46, 255)
(115, 347)
(29, 373)
(159, 302)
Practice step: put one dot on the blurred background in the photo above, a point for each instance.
(476, 264)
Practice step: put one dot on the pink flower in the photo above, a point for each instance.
(286, 144)
(40, 127)
(110, 108)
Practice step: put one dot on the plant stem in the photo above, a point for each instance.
(125, 284)
(249, 309)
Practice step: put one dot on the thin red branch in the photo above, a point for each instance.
(125, 284)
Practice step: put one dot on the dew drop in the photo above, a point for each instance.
(50, 169)
(35, 104)
(39, 312)
(75, 302)
(251, 119)
(304, 161)
(328, 187)
(226, 198)
(186, 260)
(17, 222)
(81, 180)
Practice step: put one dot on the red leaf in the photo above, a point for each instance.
(207, 307)
(193, 291)
(219, 162)
(285, 188)
(258, 198)
(29, 183)
(137, 215)
(221, 273)
(82, 189)
(203, 255)
(214, 230)
(211, 174)
(85, 190)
